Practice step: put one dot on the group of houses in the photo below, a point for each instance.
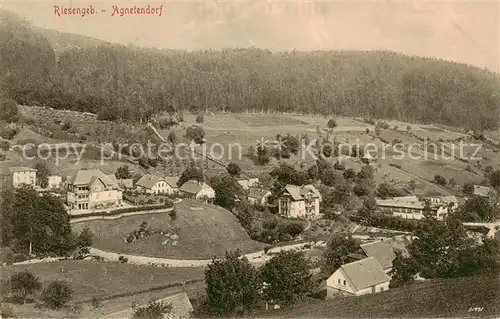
(368, 269)
(412, 207)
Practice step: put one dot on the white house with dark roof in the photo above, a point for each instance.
(152, 184)
(357, 278)
(23, 176)
(258, 196)
(410, 207)
(299, 201)
(193, 188)
(54, 181)
(92, 189)
(181, 308)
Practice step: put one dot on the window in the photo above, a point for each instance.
(381, 289)
(344, 282)
(339, 281)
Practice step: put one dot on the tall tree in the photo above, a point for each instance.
(335, 253)
(286, 277)
(232, 285)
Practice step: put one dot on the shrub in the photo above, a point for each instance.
(24, 283)
(66, 126)
(154, 310)
(332, 123)
(57, 294)
(123, 259)
(173, 214)
(8, 133)
(96, 303)
(6, 310)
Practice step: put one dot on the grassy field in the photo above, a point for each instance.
(438, 299)
(97, 279)
(203, 231)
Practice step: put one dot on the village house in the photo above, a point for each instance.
(410, 207)
(92, 189)
(152, 184)
(357, 278)
(172, 182)
(246, 184)
(181, 308)
(196, 189)
(126, 184)
(299, 201)
(54, 181)
(23, 176)
(257, 196)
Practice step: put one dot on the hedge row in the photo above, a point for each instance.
(390, 222)
(124, 210)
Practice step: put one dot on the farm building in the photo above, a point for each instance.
(193, 188)
(357, 278)
(299, 201)
(23, 176)
(92, 189)
(153, 184)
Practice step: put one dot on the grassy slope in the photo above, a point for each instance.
(445, 298)
(202, 233)
(89, 278)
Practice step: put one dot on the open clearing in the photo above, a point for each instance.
(433, 299)
(203, 231)
(97, 279)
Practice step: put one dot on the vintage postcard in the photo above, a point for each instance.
(249, 159)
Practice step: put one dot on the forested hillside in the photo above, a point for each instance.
(131, 83)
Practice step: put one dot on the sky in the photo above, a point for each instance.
(461, 31)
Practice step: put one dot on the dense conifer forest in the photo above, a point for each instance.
(130, 83)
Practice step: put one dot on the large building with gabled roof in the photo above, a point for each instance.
(357, 278)
(91, 189)
(299, 201)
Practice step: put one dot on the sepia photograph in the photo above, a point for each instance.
(193, 159)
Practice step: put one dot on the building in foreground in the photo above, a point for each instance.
(258, 196)
(299, 201)
(23, 176)
(357, 278)
(92, 189)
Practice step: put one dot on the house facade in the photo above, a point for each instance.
(92, 189)
(299, 201)
(357, 278)
(246, 184)
(195, 189)
(257, 196)
(23, 176)
(410, 207)
(152, 184)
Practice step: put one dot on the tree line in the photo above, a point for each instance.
(120, 82)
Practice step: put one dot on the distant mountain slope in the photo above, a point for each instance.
(60, 41)
(126, 82)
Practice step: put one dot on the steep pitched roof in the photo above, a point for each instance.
(314, 190)
(181, 307)
(365, 273)
(257, 193)
(22, 169)
(299, 192)
(87, 176)
(126, 183)
(191, 187)
(172, 181)
(449, 199)
(148, 181)
(382, 251)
